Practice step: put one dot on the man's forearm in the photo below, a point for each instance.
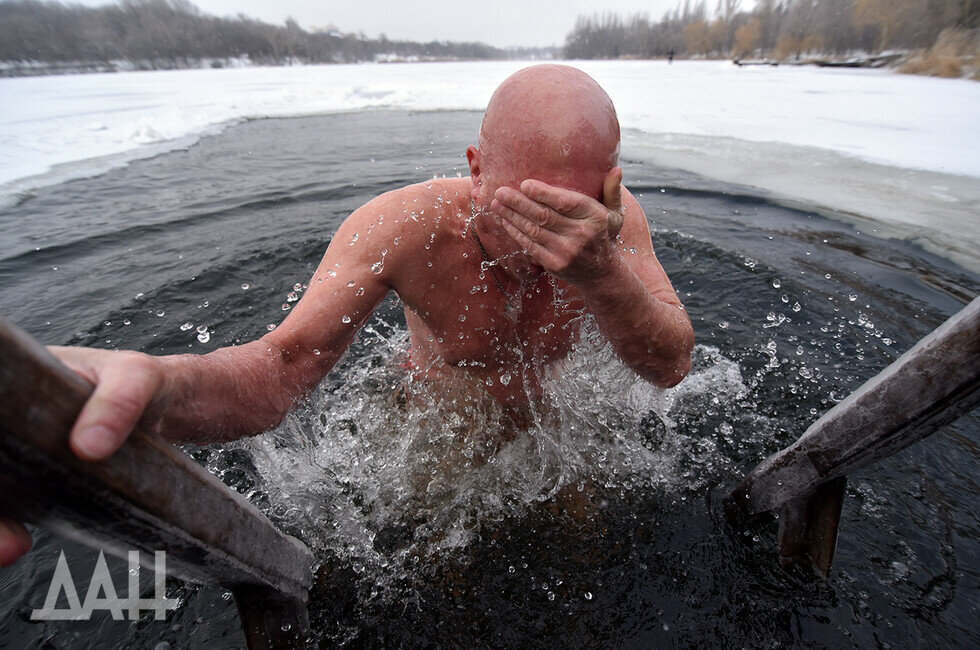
(232, 392)
(651, 336)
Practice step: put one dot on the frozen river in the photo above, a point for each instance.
(895, 154)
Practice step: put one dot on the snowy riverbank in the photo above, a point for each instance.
(898, 151)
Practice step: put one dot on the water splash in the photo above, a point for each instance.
(381, 471)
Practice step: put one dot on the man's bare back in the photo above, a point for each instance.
(494, 272)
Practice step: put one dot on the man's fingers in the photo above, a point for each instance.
(540, 214)
(567, 202)
(14, 541)
(78, 360)
(532, 229)
(612, 198)
(612, 190)
(541, 254)
(121, 396)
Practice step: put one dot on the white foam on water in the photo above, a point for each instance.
(772, 128)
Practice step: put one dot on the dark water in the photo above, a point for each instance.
(791, 310)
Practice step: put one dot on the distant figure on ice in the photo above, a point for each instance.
(494, 271)
(670, 57)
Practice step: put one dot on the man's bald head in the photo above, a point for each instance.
(553, 123)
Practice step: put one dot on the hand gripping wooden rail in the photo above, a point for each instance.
(934, 383)
(149, 496)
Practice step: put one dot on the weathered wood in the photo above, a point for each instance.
(149, 495)
(929, 386)
(269, 620)
(934, 383)
(808, 527)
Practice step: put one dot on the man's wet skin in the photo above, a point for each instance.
(494, 271)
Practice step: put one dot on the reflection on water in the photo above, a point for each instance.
(435, 521)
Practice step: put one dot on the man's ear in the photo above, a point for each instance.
(476, 170)
(473, 159)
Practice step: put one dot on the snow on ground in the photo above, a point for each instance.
(902, 151)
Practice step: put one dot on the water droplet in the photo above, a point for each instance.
(331, 273)
(202, 329)
(377, 267)
(286, 306)
(505, 378)
(316, 352)
(298, 286)
(852, 297)
(270, 326)
(776, 283)
(462, 317)
(244, 286)
(126, 321)
(160, 312)
(588, 595)
(204, 337)
(345, 319)
(353, 238)
(291, 297)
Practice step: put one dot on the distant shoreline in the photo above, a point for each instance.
(916, 63)
(14, 69)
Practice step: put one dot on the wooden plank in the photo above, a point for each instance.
(929, 386)
(808, 527)
(149, 495)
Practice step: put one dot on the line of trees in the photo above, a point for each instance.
(782, 28)
(175, 33)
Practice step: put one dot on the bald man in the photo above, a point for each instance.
(493, 270)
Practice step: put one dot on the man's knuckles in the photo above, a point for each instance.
(125, 388)
(532, 230)
(143, 365)
(117, 410)
(568, 203)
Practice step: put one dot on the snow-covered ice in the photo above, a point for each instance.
(901, 151)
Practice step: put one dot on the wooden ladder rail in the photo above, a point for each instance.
(931, 385)
(148, 496)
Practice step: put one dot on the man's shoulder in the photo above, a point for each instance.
(431, 206)
(408, 223)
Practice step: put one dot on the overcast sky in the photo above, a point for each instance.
(497, 22)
